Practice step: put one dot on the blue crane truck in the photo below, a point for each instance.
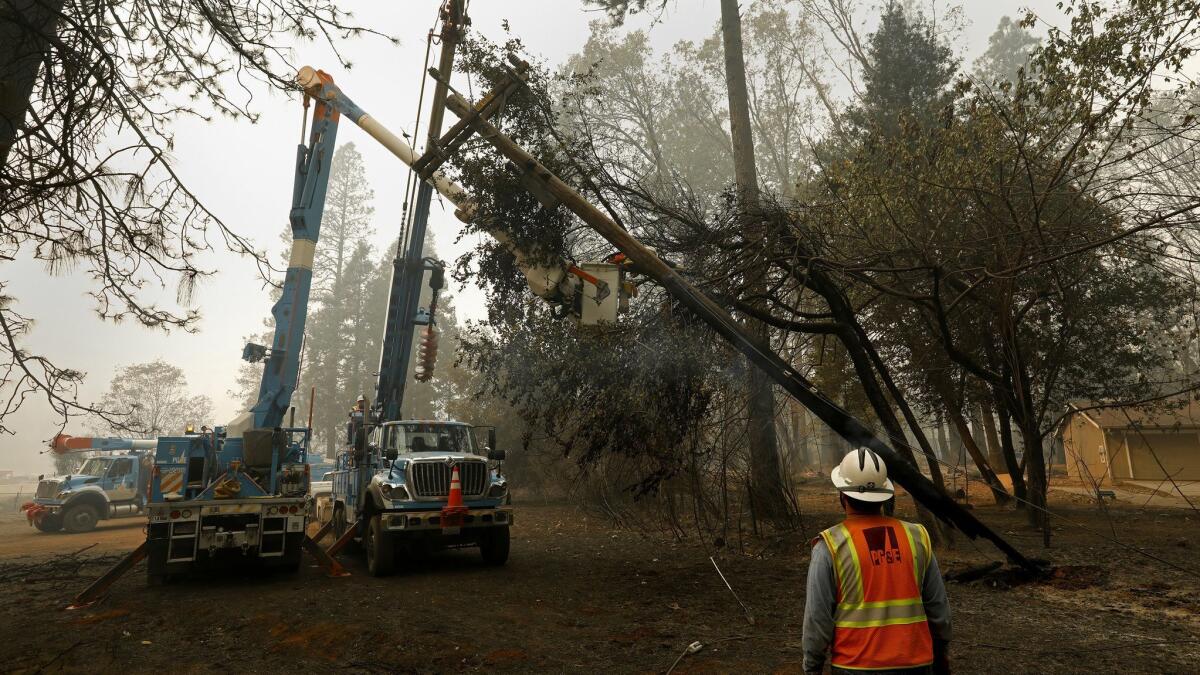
(238, 493)
(105, 486)
(393, 484)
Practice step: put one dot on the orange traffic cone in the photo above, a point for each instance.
(454, 510)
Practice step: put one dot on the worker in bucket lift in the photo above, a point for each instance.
(356, 417)
(875, 597)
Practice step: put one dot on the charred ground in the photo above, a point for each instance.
(578, 595)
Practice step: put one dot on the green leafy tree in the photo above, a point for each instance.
(1018, 251)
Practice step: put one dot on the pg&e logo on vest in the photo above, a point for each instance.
(881, 543)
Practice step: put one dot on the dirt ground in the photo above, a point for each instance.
(580, 596)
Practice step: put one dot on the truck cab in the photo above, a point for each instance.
(401, 484)
(104, 487)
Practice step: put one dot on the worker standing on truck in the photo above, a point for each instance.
(875, 597)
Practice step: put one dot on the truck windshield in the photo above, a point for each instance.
(430, 437)
(95, 466)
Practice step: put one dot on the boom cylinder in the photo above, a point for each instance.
(64, 444)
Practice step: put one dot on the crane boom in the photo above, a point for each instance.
(282, 367)
(552, 282)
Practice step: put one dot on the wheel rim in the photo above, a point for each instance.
(80, 518)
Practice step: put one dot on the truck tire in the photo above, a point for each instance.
(493, 546)
(50, 523)
(381, 549)
(339, 521)
(80, 518)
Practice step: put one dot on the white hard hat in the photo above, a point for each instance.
(862, 475)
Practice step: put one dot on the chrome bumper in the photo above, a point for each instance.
(416, 521)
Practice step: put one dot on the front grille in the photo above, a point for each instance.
(432, 479)
(47, 489)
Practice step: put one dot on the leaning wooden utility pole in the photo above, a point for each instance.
(755, 349)
(766, 479)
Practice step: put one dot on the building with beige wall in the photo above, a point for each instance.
(1107, 445)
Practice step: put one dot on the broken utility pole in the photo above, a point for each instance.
(760, 353)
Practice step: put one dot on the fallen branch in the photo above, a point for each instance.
(58, 568)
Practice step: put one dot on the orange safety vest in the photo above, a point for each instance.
(879, 623)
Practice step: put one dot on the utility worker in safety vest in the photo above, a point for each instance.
(875, 597)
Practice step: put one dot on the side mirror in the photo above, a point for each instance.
(496, 455)
(391, 454)
(492, 439)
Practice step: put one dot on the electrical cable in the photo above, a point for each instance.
(1063, 518)
(412, 178)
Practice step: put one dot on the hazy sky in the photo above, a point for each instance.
(243, 172)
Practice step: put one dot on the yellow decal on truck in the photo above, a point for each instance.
(172, 481)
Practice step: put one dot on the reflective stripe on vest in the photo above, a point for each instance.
(879, 620)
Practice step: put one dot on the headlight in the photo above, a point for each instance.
(498, 489)
(394, 492)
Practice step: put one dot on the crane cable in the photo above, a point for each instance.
(412, 180)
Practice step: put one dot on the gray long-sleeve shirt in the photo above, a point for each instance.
(821, 601)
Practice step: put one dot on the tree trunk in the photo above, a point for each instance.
(943, 441)
(955, 454)
(799, 434)
(24, 25)
(914, 425)
(977, 435)
(764, 447)
(960, 424)
(1010, 453)
(1035, 465)
(994, 453)
(1034, 457)
(832, 449)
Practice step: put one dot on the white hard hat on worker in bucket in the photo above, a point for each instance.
(862, 475)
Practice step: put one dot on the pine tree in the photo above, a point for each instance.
(1009, 50)
(342, 274)
(346, 221)
(910, 75)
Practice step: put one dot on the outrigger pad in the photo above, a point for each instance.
(331, 566)
(92, 593)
